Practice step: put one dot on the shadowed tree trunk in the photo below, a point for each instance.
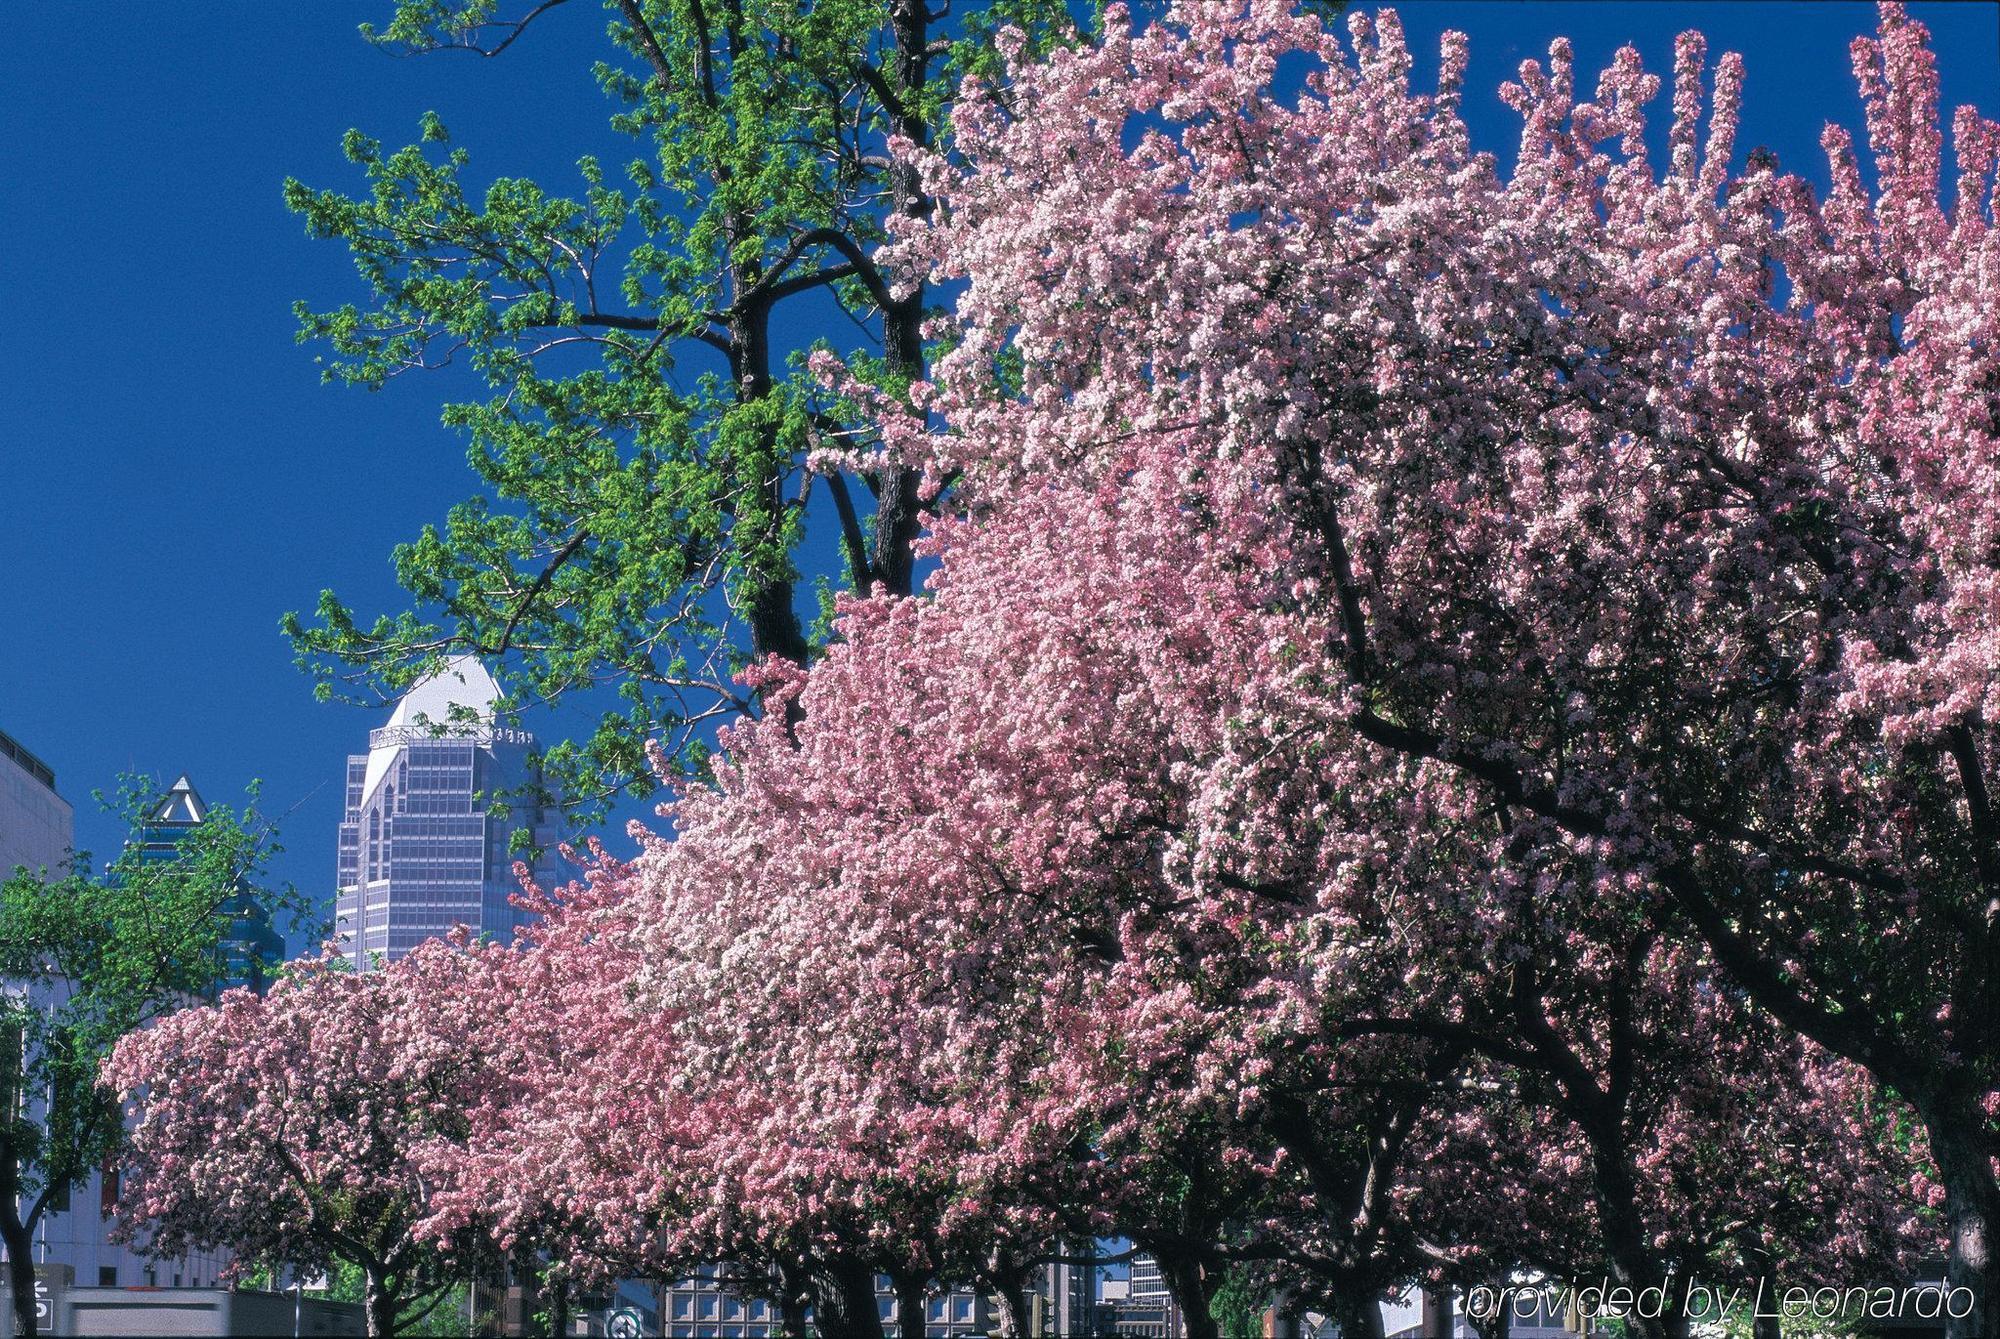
(844, 1301)
(1359, 1317)
(379, 1302)
(1190, 1286)
(911, 1291)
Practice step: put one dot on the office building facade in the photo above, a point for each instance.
(1069, 1292)
(37, 826)
(1148, 1310)
(426, 835)
(712, 1304)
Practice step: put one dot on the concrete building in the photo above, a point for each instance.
(1069, 1294)
(432, 808)
(707, 1305)
(1148, 1310)
(958, 1314)
(37, 826)
(122, 1313)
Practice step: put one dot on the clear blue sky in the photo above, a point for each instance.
(173, 476)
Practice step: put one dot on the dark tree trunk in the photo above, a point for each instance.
(1498, 1326)
(1359, 1317)
(1190, 1288)
(1766, 1284)
(911, 1322)
(1624, 1237)
(1014, 1319)
(794, 1297)
(902, 321)
(1013, 1310)
(380, 1303)
(17, 1236)
(21, 1280)
(558, 1295)
(1972, 1218)
(774, 623)
(844, 1301)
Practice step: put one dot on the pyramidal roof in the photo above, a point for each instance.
(463, 683)
(181, 806)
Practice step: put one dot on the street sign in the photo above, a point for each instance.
(52, 1283)
(624, 1323)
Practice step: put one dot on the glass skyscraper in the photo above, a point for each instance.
(251, 946)
(432, 808)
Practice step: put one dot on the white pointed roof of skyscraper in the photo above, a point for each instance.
(428, 708)
(181, 806)
(463, 682)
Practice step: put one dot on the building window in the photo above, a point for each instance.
(107, 1276)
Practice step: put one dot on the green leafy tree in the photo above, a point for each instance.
(1236, 1305)
(447, 1314)
(640, 447)
(83, 961)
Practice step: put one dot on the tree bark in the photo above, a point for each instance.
(380, 1303)
(1500, 1325)
(21, 1281)
(844, 1296)
(1013, 1304)
(1359, 1317)
(19, 1238)
(902, 321)
(558, 1295)
(1189, 1286)
(774, 623)
(794, 1297)
(911, 1317)
(1972, 1217)
(1624, 1238)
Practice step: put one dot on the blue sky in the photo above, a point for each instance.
(173, 476)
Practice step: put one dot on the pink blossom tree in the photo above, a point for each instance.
(287, 1127)
(1634, 516)
(574, 1119)
(998, 859)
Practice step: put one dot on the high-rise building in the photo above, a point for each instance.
(1150, 1311)
(251, 945)
(432, 809)
(1069, 1290)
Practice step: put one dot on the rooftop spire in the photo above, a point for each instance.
(181, 806)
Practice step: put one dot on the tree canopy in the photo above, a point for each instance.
(85, 959)
(642, 498)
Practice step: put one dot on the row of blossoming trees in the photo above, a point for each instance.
(1451, 733)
